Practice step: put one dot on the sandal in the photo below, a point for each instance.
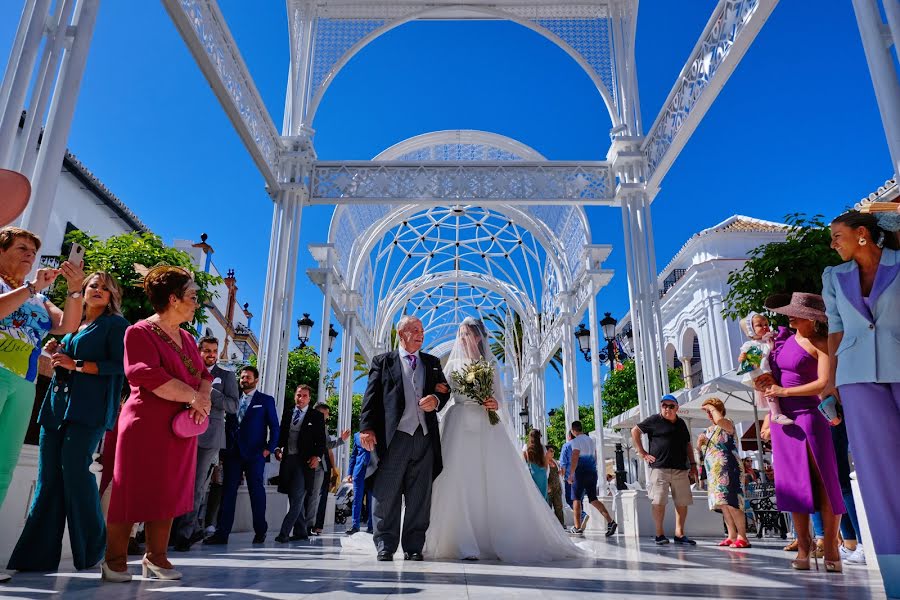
(792, 547)
(739, 543)
(726, 542)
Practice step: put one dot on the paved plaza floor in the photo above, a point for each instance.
(323, 569)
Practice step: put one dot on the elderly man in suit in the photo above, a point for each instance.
(187, 528)
(301, 443)
(250, 437)
(398, 421)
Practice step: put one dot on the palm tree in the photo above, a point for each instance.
(498, 345)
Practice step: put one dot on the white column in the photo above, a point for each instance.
(59, 122)
(289, 272)
(596, 384)
(325, 326)
(570, 378)
(885, 78)
(19, 71)
(271, 318)
(345, 402)
(538, 402)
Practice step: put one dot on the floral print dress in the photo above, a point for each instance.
(723, 469)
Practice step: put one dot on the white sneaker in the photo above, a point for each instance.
(858, 557)
(845, 553)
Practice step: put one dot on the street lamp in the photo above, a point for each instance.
(523, 417)
(303, 327)
(332, 335)
(608, 326)
(583, 335)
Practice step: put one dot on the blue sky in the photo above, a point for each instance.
(796, 128)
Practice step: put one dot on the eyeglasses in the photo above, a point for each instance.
(669, 406)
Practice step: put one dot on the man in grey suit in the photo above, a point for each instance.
(399, 425)
(224, 400)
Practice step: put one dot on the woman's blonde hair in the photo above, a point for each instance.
(716, 404)
(115, 291)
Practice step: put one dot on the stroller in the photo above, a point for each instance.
(343, 503)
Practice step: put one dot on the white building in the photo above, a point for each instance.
(692, 288)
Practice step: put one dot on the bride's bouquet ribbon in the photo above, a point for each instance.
(476, 380)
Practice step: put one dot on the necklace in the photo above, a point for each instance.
(13, 282)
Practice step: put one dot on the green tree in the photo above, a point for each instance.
(620, 389)
(118, 256)
(334, 403)
(302, 367)
(794, 265)
(556, 425)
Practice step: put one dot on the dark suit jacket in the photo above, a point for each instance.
(310, 442)
(257, 432)
(385, 399)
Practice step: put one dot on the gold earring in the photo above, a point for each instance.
(862, 241)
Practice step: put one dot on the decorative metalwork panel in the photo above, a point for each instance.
(732, 18)
(222, 56)
(582, 183)
(591, 39)
(459, 152)
(334, 38)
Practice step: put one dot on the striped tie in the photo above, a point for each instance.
(296, 418)
(245, 404)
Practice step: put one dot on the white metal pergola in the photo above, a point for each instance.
(446, 224)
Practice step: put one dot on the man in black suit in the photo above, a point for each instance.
(301, 444)
(398, 421)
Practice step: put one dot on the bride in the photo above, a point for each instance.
(484, 503)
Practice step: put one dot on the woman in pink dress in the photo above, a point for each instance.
(153, 474)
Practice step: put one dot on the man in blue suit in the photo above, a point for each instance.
(250, 436)
(359, 462)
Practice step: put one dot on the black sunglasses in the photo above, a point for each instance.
(672, 406)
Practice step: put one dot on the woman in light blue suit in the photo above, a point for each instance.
(862, 299)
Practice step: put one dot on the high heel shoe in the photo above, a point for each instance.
(800, 564)
(107, 574)
(834, 566)
(150, 570)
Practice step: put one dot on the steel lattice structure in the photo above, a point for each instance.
(443, 225)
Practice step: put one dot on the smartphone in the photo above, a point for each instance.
(829, 410)
(76, 254)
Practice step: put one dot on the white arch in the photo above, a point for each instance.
(497, 14)
(394, 302)
(532, 218)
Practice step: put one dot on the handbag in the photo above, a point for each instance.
(702, 473)
(183, 425)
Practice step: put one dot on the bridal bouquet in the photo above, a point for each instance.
(476, 380)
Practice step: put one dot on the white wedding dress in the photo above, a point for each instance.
(484, 503)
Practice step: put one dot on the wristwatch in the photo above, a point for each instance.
(79, 365)
(75, 295)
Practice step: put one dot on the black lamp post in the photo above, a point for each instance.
(303, 327)
(523, 417)
(332, 335)
(608, 326)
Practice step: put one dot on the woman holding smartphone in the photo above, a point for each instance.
(81, 403)
(862, 297)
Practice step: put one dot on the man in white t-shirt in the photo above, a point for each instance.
(583, 477)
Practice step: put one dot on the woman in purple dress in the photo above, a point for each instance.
(803, 453)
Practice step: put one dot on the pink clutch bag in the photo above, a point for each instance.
(184, 426)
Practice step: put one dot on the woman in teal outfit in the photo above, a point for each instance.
(80, 405)
(536, 457)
